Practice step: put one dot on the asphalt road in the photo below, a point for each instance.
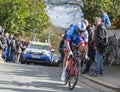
(32, 78)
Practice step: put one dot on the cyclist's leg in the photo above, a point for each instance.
(64, 60)
(65, 64)
(81, 47)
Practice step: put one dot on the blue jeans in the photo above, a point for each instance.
(8, 54)
(13, 54)
(98, 68)
(4, 54)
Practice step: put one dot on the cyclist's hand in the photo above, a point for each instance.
(95, 47)
(87, 58)
(70, 54)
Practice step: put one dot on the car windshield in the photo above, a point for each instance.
(36, 46)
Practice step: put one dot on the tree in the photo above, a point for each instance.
(38, 18)
(17, 16)
(91, 8)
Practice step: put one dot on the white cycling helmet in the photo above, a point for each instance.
(81, 26)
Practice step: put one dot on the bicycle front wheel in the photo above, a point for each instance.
(66, 77)
(74, 78)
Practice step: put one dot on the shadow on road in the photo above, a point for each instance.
(30, 78)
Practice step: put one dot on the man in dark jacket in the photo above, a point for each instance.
(13, 49)
(98, 36)
(91, 50)
(61, 47)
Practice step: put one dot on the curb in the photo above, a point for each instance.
(101, 82)
(113, 28)
(61, 65)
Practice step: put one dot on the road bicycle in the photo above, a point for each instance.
(72, 72)
(111, 50)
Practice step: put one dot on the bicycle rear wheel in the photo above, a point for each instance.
(73, 78)
(114, 52)
(113, 55)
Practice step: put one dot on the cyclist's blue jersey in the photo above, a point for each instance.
(73, 36)
(71, 32)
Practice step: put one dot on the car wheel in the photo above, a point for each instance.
(22, 62)
(57, 64)
(27, 63)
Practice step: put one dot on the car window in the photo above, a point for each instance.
(35, 46)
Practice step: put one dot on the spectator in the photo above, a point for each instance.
(91, 51)
(100, 28)
(13, 49)
(61, 47)
(19, 47)
(4, 51)
(105, 18)
(1, 48)
(8, 37)
(9, 40)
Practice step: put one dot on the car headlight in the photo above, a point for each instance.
(26, 51)
(47, 53)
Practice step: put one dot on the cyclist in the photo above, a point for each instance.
(73, 35)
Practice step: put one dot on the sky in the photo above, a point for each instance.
(65, 15)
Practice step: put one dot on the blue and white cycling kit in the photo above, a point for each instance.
(73, 37)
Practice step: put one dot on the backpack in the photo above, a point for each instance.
(101, 39)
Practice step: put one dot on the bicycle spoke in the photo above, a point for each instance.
(73, 82)
(66, 79)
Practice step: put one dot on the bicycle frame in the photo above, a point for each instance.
(111, 52)
(72, 72)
